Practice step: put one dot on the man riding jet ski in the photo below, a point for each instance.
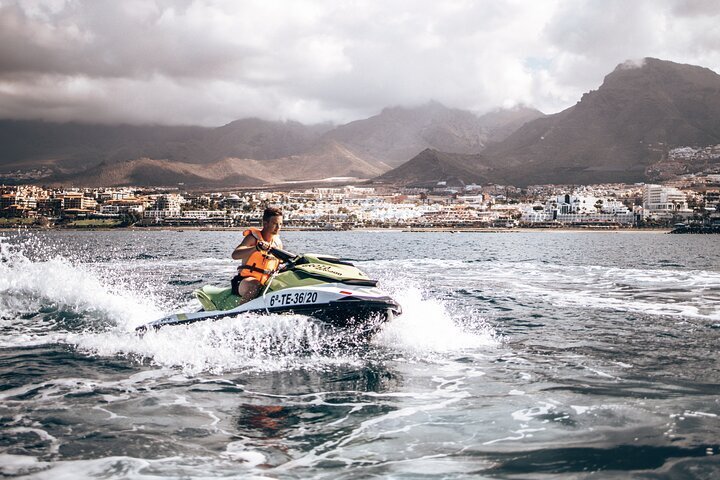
(324, 287)
(258, 264)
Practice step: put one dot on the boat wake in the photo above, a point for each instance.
(670, 293)
(95, 308)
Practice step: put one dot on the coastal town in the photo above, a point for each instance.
(689, 199)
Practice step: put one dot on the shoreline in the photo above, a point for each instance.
(450, 230)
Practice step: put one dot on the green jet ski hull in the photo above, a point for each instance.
(329, 289)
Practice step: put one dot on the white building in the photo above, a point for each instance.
(201, 214)
(663, 202)
(170, 201)
(578, 209)
(587, 204)
(156, 214)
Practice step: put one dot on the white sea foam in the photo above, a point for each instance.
(673, 293)
(239, 451)
(28, 286)
(427, 325)
(249, 342)
(14, 465)
(662, 292)
(129, 467)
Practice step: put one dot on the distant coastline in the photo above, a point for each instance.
(572, 229)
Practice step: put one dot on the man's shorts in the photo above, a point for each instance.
(235, 284)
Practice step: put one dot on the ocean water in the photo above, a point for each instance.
(519, 355)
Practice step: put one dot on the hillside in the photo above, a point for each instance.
(398, 134)
(74, 146)
(257, 139)
(324, 161)
(431, 166)
(503, 122)
(616, 132)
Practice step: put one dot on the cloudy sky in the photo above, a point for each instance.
(208, 62)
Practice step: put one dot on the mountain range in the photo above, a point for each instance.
(248, 152)
(615, 133)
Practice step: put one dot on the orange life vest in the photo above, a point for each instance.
(260, 264)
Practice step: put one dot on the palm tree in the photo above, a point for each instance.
(598, 205)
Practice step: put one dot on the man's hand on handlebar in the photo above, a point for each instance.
(282, 254)
(261, 245)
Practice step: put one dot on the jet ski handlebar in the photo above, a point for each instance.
(282, 254)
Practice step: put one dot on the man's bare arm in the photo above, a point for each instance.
(246, 247)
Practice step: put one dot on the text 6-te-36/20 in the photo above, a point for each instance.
(295, 298)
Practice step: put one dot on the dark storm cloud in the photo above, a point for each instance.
(113, 39)
(212, 61)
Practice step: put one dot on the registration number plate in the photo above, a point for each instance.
(297, 298)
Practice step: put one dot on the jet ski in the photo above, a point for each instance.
(327, 288)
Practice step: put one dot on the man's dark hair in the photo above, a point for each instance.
(271, 212)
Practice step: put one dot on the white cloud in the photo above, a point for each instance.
(210, 62)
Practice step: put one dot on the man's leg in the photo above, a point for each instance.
(249, 288)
